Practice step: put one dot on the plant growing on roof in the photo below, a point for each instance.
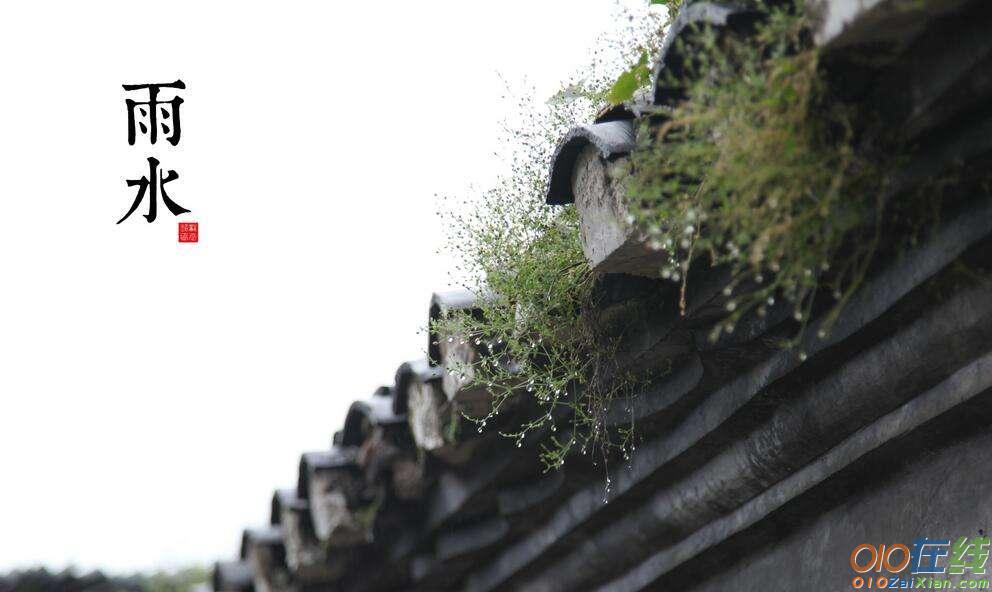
(525, 259)
(761, 169)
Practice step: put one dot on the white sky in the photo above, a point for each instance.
(153, 394)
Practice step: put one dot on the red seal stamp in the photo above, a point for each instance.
(189, 232)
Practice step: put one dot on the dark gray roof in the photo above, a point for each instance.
(284, 499)
(740, 436)
(338, 457)
(443, 303)
(232, 576)
(672, 65)
(409, 372)
(611, 138)
(377, 410)
(266, 536)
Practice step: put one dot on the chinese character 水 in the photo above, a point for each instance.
(153, 184)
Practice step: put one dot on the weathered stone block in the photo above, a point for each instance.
(610, 242)
(333, 485)
(264, 551)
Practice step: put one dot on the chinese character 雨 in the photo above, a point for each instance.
(154, 115)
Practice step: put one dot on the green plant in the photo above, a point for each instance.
(525, 259)
(761, 169)
(182, 580)
(365, 515)
(630, 81)
(758, 170)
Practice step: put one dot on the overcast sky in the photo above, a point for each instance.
(154, 393)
